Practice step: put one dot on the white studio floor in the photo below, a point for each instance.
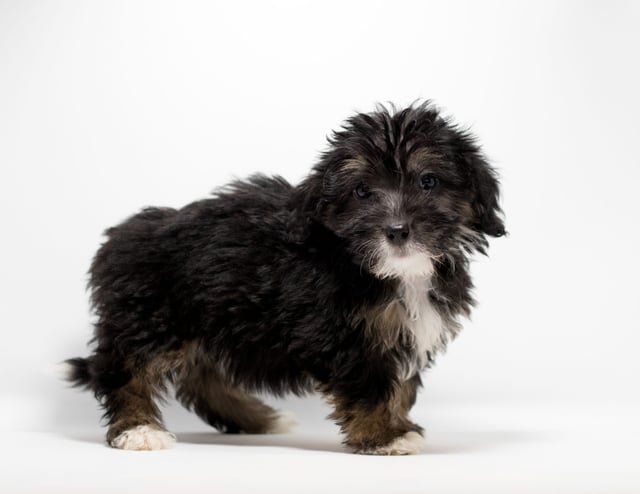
(472, 448)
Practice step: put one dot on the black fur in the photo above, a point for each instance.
(264, 280)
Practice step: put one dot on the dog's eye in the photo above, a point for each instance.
(428, 181)
(362, 191)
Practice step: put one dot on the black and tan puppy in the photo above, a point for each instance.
(348, 284)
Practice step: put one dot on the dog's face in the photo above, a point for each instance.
(403, 189)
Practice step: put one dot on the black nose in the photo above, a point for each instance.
(397, 234)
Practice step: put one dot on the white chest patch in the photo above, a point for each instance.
(422, 320)
(418, 317)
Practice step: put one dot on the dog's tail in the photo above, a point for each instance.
(76, 371)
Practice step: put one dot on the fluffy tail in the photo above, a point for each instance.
(76, 371)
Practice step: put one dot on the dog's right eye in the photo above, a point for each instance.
(428, 181)
(362, 191)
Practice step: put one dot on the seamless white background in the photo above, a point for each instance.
(106, 107)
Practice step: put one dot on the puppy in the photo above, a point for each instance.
(347, 284)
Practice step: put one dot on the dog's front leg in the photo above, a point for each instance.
(380, 426)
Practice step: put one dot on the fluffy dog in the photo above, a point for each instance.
(347, 284)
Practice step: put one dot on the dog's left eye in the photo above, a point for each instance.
(362, 191)
(428, 181)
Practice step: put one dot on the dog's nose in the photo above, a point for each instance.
(397, 234)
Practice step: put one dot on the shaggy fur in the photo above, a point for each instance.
(348, 284)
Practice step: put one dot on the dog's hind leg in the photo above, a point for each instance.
(226, 407)
(134, 419)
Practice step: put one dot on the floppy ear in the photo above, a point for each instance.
(487, 215)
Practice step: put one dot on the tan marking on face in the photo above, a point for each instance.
(466, 211)
(353, 165)
(421, 157)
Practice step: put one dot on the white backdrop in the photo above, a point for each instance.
(106, 107)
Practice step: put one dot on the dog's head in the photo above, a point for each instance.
(402, 188)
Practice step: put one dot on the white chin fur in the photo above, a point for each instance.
(414, 264)
(410, 443)
(284, 422)
(144, 438)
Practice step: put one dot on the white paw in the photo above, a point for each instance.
(284, 422)
(407, 444)
(144, 438)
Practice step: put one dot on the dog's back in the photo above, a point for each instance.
(159, 270)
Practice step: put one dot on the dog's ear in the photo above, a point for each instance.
(487, 215)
